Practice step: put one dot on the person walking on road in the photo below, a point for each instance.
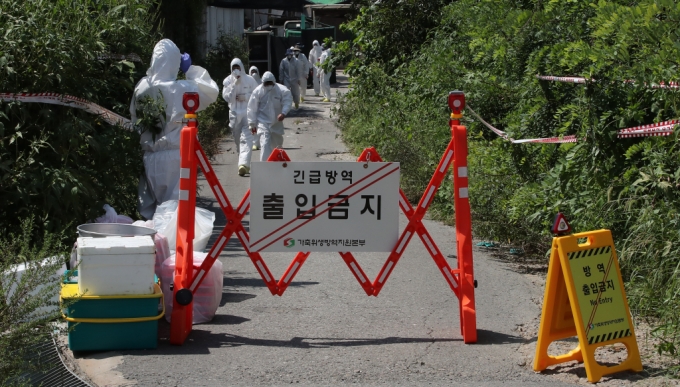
(288, 76)
(315, 59)
(160, 179)
(303, 66)
(238, 87)
(268, 106)
(325, 76)
(255, 73)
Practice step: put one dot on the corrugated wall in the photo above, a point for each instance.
(222, 20)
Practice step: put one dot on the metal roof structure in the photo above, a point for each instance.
(327, 2)
(286, 5)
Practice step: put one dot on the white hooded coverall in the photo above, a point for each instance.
(314, 58)
(237, 92)
(325, 77)
(161, 157)
(263, 109)
(256, 77)
(303, 66)
(288, 75)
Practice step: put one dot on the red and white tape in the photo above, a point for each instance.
(653, 130)
(130, 57)
(549, 140)
(659, 129)
(70, 101)
(502, 134)
(661, 85)
(493, 129)
(562, 79)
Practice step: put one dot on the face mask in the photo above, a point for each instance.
(290, 57)
(236, 73)
(253, 74)
(269, 87)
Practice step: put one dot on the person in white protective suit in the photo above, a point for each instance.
(315, 59)
(255, 73)
(325, 76)
(238, 87)
(288, 76)
(303, 66)
(160, 181)
(268, 106)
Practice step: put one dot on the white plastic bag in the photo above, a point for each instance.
(204, 222)
(111, 216)
(165, 222)
(143, 223)
(206, 298)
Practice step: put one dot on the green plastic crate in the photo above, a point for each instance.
(105, 323)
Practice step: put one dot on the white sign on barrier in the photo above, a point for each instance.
(324, 206)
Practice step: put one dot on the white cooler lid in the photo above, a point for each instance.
(116, 245)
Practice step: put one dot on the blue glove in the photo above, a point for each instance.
(185, 63)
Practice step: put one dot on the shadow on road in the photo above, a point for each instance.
(201, 341)
(227, 319)
(229, 298)
(485, 337)
(258, 283)
(579, 370)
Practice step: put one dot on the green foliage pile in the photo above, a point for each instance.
(59, 164)
(28, 284)
(492, 49)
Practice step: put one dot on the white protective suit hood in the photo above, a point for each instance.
(237, 61)
(256, 76)
(268, 77)
(164, 62)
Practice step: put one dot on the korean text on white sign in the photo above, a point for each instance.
(324, 206)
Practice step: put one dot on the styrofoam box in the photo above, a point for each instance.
(116, 265)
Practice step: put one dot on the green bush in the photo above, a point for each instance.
(60, 164)
(219, 56)
(492, 50)
(27, 308)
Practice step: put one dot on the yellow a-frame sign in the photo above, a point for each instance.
(584, 297)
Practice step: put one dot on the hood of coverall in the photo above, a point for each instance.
(316, 42)
(237, 61)
(164, 62)
(250, 71)
(268, 77)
